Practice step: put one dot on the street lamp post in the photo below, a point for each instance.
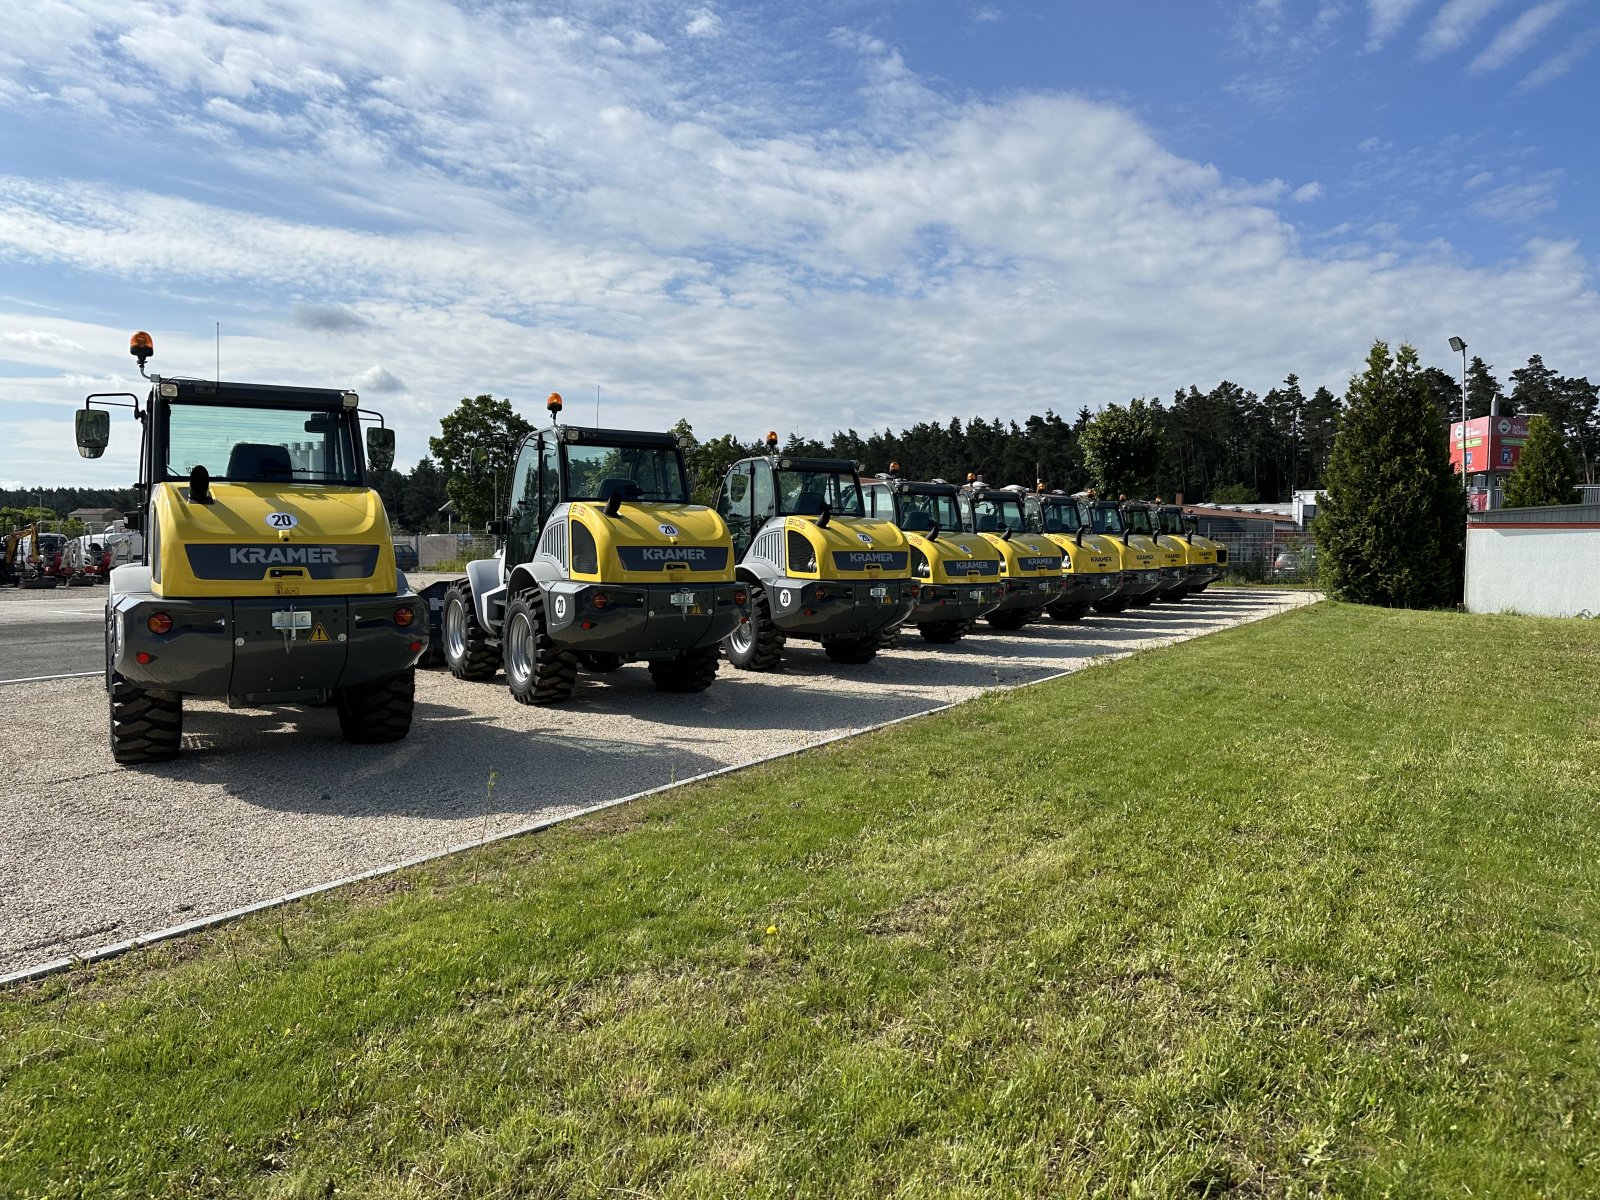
(1458, 345)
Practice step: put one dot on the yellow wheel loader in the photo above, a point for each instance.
(1030, 563)
(1091, 565)
(1141, 573)
(1206, 560)
(817, 566)
(606, 562)
(268, 572)
(957, 574)
(1171, 559)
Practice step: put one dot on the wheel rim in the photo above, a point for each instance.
(455, 630)
(742, 638)
(519, 648)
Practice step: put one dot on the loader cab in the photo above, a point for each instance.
(991, 510)
(914, 506)
(1053, 512)
(568, 464)
(755, 490)
(1171, 522)
(1136, 518)
(1102, 516)
(202, 433)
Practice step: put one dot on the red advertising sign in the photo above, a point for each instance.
(1492, 444)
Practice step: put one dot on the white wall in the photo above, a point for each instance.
(1546, 571)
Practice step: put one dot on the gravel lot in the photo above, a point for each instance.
(270, 801)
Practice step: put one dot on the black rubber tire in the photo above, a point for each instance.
(600, 662)
(692, 671)
(1066, 613)
(853, 651)
(539, 670)
(1144, 601)
(146, 724)
(469, 656)
(942, 633)
(1112, 604)
(1014, 618)
(765, 649)
(889, 639)
(380, 711)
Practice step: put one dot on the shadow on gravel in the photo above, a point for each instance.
(454, 764)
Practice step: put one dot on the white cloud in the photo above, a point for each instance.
(1454, 24)
(1563, 61)
(1517, 36)
(379, 380)
(1387, 16)
(1520, 201)
(703, 22)
(1479, 180)
(487, 202)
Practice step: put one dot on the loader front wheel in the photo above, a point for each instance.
(942, 633)
(370, 713)
(691, 671)
(756, 645)
(538, 669)
(146, 723)
(467, 651)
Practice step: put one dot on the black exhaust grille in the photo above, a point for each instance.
(585, 558)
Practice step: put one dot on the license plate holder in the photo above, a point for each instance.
(681, 599)
(291, 619)
(975, 594)
(878, 593)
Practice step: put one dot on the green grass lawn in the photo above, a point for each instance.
(1304, 908)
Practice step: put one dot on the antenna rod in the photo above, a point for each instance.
(219, 351)
(597, 406)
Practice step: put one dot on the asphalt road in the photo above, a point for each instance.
(268, 801)
(51, 633)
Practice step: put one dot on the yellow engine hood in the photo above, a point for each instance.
(269, 539)
(957, 557)
(1094, 557)
(1170, 552)
(852, 548)
(1026, 555)
(654, 543)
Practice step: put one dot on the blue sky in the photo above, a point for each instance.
(768, 215)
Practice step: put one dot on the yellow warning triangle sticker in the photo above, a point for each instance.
(318, 633)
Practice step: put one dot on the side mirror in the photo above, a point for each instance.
(380, 448)
(131, 520)
(93, 427)
(498, 526)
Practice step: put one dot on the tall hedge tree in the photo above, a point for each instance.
(1392, 523)
(1545, 473)
(1122, 448)
(476, 448)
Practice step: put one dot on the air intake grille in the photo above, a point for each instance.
(585, 558)
(802, 557)
(554, 542)
(769, 547)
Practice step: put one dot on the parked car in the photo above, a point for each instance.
(1294, 564)
(405, 556)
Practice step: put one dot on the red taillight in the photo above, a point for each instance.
(404, 616)
(821, 593)
(741, 597)
(143, 657)
(159, 623)
(927, 593)
(600, 600)
(415, 647)
(586, 624)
